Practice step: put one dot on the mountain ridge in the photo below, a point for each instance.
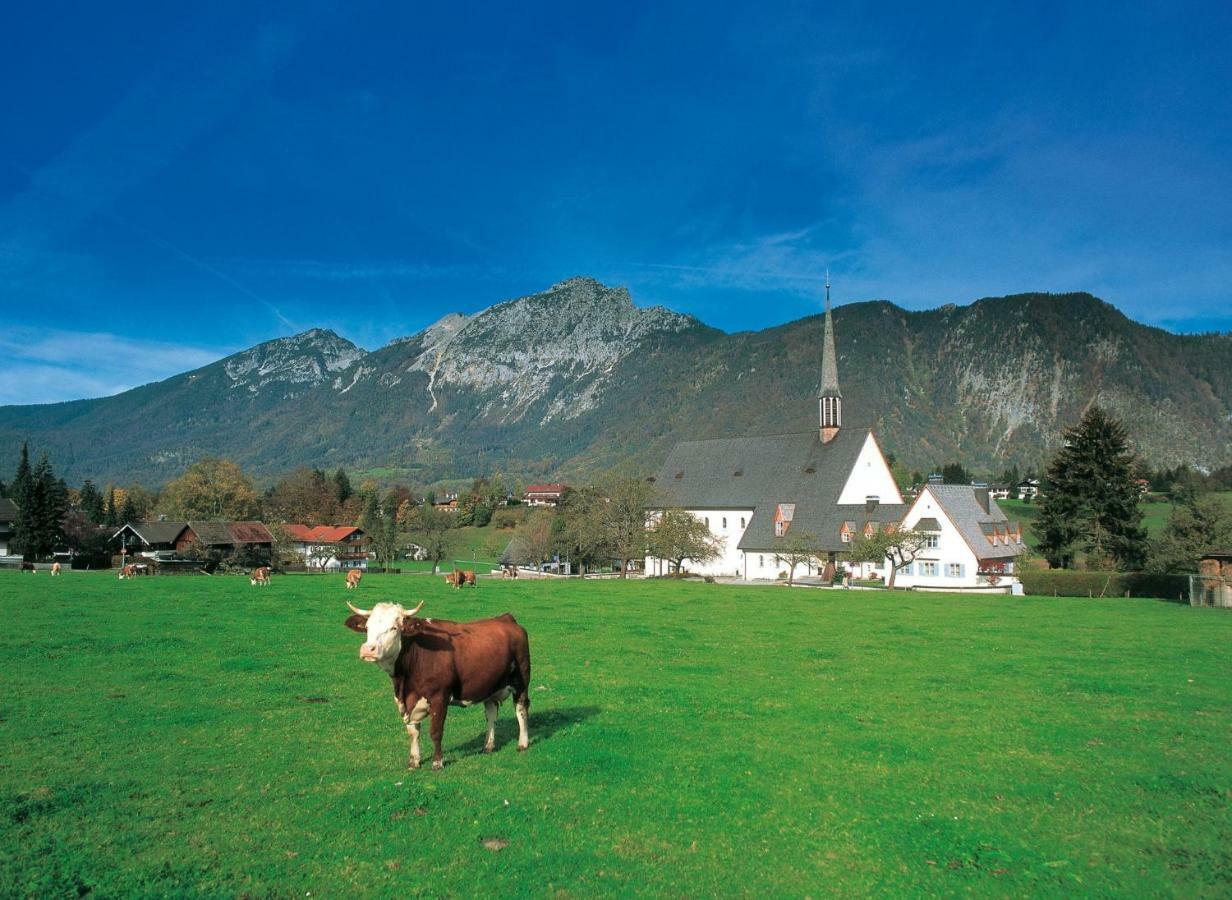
(577, 378)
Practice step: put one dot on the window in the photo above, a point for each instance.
(761, 562)
(928, 569)
(707, 521)
(846, 536)
(931, 542)
(954, 570)
(725, 521)
(742, 521)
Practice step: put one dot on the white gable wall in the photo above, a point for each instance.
(870, 477)
(951, 548)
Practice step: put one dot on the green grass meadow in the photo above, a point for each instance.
(199, 736)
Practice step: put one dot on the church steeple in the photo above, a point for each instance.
(830, 400)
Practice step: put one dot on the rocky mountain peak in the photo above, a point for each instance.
(301, 359)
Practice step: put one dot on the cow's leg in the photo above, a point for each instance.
(414, 710)
(522, 707)
(491, 708)
(440, 706)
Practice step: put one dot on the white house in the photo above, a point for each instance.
(971, 546)
(830, 485)
(329, 546)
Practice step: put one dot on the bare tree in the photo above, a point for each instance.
(429, 529)
(798, 547)
(897, 546)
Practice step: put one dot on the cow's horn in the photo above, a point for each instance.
(358, 611)
(415, 610)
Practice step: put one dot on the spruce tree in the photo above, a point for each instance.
(39, 528)
(342, 486)
(91, 502)
(111, 515)
(1091, 499)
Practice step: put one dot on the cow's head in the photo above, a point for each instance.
(384, 625)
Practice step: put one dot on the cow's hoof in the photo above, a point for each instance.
(437, 765)
(489, 749)
(413, 764)
(522, 747)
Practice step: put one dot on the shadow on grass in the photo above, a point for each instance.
(542, 726)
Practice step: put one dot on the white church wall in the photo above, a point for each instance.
(870, 477)
(726, 524)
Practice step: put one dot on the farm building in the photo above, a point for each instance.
(227, 538)
(329, 546)
(824, 487)
(8, 519)
(544, 494)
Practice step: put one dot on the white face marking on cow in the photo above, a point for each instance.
(384, 636)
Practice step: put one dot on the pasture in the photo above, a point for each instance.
(196, 736)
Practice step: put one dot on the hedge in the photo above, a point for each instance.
(1070, 583)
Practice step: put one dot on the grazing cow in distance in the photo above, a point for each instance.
(353, 577)
(509, 572)
(55, 569)
(260, 575)
(127, 571)
(452, 578)
(435, 664)
(28, 567)
(468, 577)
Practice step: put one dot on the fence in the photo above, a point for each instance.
(1210, 590)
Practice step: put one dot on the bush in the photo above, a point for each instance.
(1069, 583)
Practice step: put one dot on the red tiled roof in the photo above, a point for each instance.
(319, 534)
(546, 489)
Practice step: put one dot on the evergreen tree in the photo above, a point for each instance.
(955, 473)
(111, 516)
(1091, 502)
(1201, 524)
(342, 486)
(21, 481)
(39, 528)
(90, 500)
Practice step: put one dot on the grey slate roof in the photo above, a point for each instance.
(759, 473)
(8, 510)
(959, 503)
(154, 532)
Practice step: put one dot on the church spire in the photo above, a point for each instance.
(830, 400)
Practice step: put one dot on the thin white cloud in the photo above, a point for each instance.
(51, 366)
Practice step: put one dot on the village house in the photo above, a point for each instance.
(8, 519)
(824, 488)
(1028, 489)
(162, 538)
(544, 494)
(330, 547)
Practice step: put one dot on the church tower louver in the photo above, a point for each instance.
(830, 400)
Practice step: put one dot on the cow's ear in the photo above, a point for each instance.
(358, 623)
(410, 626)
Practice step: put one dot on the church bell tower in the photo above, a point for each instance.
(830, 400)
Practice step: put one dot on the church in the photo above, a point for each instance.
(831, 484)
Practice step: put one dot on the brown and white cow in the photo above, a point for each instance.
(353, 577)
(260, 575)
(468, 577)
(452, 578)
(509, 572)
(55, 569)
(29, 567)
(435, 664)
(127, 571)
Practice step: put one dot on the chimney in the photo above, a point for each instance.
(981, 497)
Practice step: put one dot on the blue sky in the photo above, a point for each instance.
(180, 181)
